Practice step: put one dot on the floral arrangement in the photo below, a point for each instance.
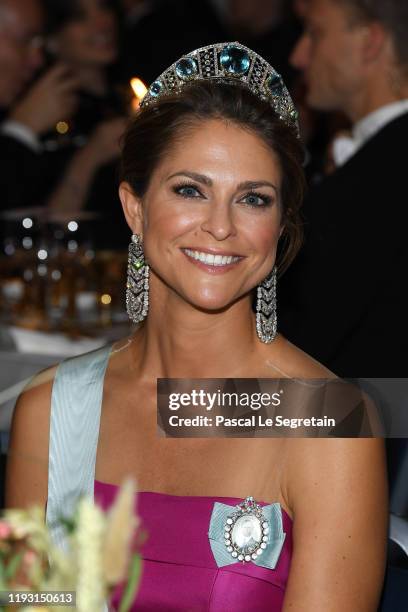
(102, 554)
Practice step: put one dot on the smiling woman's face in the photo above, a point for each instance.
(211, 216)
(89, 38)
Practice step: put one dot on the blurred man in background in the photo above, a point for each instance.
(25, 115)
(20, 46)
(344, 300)
(21, 24)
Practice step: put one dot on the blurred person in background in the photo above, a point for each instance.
(345, 292)
(300, 8)
(20, 49)
(317, 127)
(83, 149)
(134, 10)
(267, 24)
(21, 23)
(170, 27)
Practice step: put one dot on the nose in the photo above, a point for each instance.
(301, 53)
(219, 221)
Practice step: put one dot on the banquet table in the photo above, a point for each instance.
(24, 353)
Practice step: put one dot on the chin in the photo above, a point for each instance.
(215, 303)
(320, 102)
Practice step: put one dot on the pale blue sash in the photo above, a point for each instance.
(74, 430)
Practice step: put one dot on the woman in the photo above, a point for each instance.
(212, 182)
(81, 152)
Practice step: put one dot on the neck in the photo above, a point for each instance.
(376, 95)
(195, 344)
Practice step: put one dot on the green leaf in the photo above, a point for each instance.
(13, 566)
(3, 586)
(132, 584)
(69, 524)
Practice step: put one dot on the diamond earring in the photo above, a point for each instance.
(137, 286)
(266, 320)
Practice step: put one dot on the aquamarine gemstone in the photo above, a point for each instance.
(274, 83)
(156, 88)
(186, 67)
(235, 60)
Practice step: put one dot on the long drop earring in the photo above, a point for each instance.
(266, 319)
(137, 286)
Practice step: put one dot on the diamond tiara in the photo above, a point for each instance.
(227, 63)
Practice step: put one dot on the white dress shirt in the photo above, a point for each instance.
(22, 133)
(344, 147)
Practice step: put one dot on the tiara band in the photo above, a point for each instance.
(230, 63)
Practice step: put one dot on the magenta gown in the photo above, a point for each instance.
(179, 570)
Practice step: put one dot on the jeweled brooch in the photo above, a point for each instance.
(247, 532)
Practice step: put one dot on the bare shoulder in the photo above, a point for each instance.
(337, 490)
(323, 462)
(27, 461)
(292, 362)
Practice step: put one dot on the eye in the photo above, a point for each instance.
(187, 191)
(257, 200)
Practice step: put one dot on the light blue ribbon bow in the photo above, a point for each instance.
(270, 555)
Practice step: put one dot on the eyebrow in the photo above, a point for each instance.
(205, 180)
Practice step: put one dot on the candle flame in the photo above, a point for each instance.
(139, 88)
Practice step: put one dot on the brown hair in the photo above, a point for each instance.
(160, 125)
(392, 14)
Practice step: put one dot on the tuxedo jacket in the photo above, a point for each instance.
(20, 174)
(344, 300)
(27, 178)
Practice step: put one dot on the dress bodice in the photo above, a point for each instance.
(179, 572)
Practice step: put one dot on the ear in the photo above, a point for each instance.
(132, 208)
(374, 42)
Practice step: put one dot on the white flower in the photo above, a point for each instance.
(90, 591)
(120, 528)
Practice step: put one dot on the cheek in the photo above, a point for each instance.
(267, 242)
(323, 58)
(109, 21)
(73, 41)
(10, 58)
(263, 230)
(162, 230)
(170, 221)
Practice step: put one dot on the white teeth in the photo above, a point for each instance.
(210, 259)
